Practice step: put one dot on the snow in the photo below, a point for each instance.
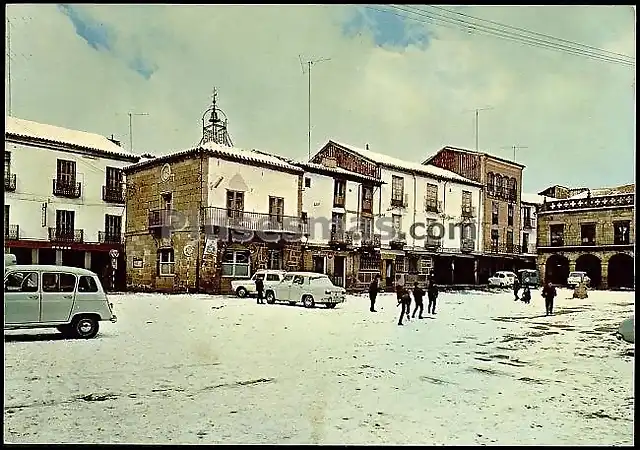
(212, 369)
(390, 161)
(534, 199)
(35, 130)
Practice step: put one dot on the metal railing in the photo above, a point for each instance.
(338, 200)
(468, 211)
(431, 205)
(467, 245)
(160, 218)
(65, 235)
(249, 221)
(68, 189)
(503, 248)
(12, 233)
(108, 237)
(113, 194)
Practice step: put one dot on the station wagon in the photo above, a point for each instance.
(307, 288)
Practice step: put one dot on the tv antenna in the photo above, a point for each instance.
(306, 69)
(477, 122)
(515, 148)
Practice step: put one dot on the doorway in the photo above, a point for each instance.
(318, 264)
(389, 273)
(338, 270)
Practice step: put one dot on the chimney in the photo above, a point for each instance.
(115, 141)
(366, 146)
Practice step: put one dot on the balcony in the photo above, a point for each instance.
(432, 243)
(529, 249)
(339, 236)
(371, 241)
(431, 205)
(244, 221)
(367, 206)
(68, 189)
(494, 247)
(10, 182)
(159, 218)
(591, 242)
(467, 245)
(528, 223)
(12, 233)
(109, 237)
(397, 201)
(113, 194)
(605, 201)
(338, 201)
(468, 212)
(399, 240)
(65, 235)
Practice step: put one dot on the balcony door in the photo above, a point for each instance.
(112, 228)
(114, 179)
(66, 173)
(65, 223)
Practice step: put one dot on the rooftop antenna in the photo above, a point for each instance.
(9, 66)
(477, 122)
(131, 114)
(306, 69)
(515, 148)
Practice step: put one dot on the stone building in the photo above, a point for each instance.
(590, 230)
(500, 206)
(530, 203)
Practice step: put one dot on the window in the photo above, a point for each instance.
(370, 263)
(167, 200)
(621, 232)
(112, 228)
(431, 198)
(166, 262)
(400, 264)
(339, 189)
(298, 279)
(21, 282)
(367, 199)
(58, 282)
(337, 222)
(526, 216)
(7, 164)
(318, 264)
(588, 233)
(494, 238)
(66, 173)
(525, 242)
(276, 208)
(114, 178)
(273, 277)
(307, 182)
(513, 190)
(288, 278)
(466, 204)
(509, 241)
(413, 264)
(65, 223)
(304, 217)
(510, 215)
(397, 191)
(491, 183)
(235, 203)
(235, 263)
(274, 261)
(499, 188)
(87, 284)
(494, 213)
(366, 228)
(397, 222)
(556, 233)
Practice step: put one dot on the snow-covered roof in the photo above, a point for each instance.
(391, 162)
(53, 134)
(224, 152)
(600, 192)
(314, 167)
(533, 199)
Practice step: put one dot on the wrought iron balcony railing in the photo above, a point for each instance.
(160, 218)
(65, 235)
(68, 189)
(109, 237)
(371, 240)
(468, 211)
(503, 248)
(338, 200)
(113, 194)
(10, 182)
(431, 205)
(12, 233)
(467, 245)
(251, 221)
(528, 223)
(432, 242)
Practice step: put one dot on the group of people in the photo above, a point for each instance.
(548, 293)
(404, 298)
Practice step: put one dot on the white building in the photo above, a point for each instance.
(412, 199)
(529, 226)
(64, 195)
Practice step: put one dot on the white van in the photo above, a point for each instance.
(67, 298)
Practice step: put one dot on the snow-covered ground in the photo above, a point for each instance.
(211, 369)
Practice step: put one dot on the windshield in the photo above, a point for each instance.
(575, 274)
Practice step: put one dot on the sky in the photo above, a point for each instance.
(405, 87)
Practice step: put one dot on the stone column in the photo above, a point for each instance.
(58, 257)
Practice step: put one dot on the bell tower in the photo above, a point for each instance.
(214, 124)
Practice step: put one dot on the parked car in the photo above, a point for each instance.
(309, 288)
(9, 260)
(529, 277)
(575, 278)
(626, 331)
(502, 279)
(242, 288)
(67, 298)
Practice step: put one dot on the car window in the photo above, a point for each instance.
(298, 279)
(500, 275)
(58, 282)
(21, 282)
(288, 278)
(87, 284)
(273, 277)
(323, 281)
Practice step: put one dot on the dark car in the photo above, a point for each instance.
(529, 277)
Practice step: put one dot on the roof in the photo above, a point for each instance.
(391, 162)
(223, 152)
(600, 192)
(533, 199)
(472, 152)
(50, 268)
(58, 135)
(319, 168)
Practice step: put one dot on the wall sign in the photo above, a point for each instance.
(138, 263)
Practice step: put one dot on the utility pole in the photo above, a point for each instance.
(477, 123)
(515, 148)
(308, 72)
(131, 114)
(8, 66)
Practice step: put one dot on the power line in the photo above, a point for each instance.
(465, 25)
(516, 37)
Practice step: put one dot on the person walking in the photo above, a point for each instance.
(526, 295)
(432, 293)
(549, 293)
(260, 289)
(404, 300)
(374, 288)
(516, 288)
(418, 295)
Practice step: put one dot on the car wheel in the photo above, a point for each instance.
(241, 292)
(270, 297)
(331, 305)
(308, 302)
(85, 327)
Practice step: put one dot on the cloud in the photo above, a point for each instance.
(388, 28)
(575, 115)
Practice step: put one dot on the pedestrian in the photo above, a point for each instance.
(260, 289)
(516, 288)
(404, 300)
(418, 295)
(526, 295)
(549, 293)
(432, 293)
(374, 288)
